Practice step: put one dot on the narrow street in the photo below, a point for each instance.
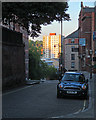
(39, 101)
(40, 43)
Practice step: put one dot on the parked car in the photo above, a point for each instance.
(73, 84)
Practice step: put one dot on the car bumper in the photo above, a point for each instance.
(72, 93)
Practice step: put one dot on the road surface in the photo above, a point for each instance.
(39, 101)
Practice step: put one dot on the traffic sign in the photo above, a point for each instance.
(94, 35)
(82, 41)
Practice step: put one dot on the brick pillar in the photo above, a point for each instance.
(95, 39)
(95, 26)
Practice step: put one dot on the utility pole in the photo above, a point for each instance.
(61, 47)
(60, 56)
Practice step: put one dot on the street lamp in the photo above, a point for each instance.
(60, 55)
(61, 46)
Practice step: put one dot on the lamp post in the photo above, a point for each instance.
(61, 46)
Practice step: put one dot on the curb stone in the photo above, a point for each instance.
(32, 82)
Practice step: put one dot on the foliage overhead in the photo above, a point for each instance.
(34, 13)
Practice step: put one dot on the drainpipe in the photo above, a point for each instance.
(95, 38)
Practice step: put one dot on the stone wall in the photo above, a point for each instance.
(13, 60)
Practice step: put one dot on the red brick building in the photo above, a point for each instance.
(86, 29)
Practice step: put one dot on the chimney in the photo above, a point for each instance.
(81, 4)
(52, 34)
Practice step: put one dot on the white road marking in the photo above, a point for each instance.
(77, 111)
(16, 90)
(80, 110)
(84, 106)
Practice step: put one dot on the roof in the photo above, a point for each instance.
(49, 61)
(73, 35)
(88, 9)
(73, 72)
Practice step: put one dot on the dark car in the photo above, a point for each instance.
(73, 84)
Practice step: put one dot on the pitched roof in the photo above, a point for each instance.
(73, 35)
(88, 9)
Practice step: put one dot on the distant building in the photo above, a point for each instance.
(48, 61)
(55, 63)
(70, 52)
(51, 62)
(86, 30)
(51, 45)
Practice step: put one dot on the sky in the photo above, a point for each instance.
(68, 26)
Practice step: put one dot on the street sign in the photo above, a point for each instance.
(82, 41)
(94, 35)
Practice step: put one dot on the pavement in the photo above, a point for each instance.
(32, 82)
(89, 112)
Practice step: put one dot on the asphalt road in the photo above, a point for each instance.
(39, 101)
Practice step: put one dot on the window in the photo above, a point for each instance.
(72, 56)
(72, 64)
(72, 41)
(72, 48)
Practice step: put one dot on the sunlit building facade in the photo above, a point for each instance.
(70, 52)
(52, 45)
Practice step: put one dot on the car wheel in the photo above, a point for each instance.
(86, 96)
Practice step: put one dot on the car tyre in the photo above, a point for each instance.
(86, 97)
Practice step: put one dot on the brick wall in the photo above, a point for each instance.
(13, 61)
(86, 28)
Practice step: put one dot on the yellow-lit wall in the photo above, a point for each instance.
(52, 46)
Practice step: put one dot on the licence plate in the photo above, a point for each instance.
(72, 92)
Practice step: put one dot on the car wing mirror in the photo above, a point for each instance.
(59, 80)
